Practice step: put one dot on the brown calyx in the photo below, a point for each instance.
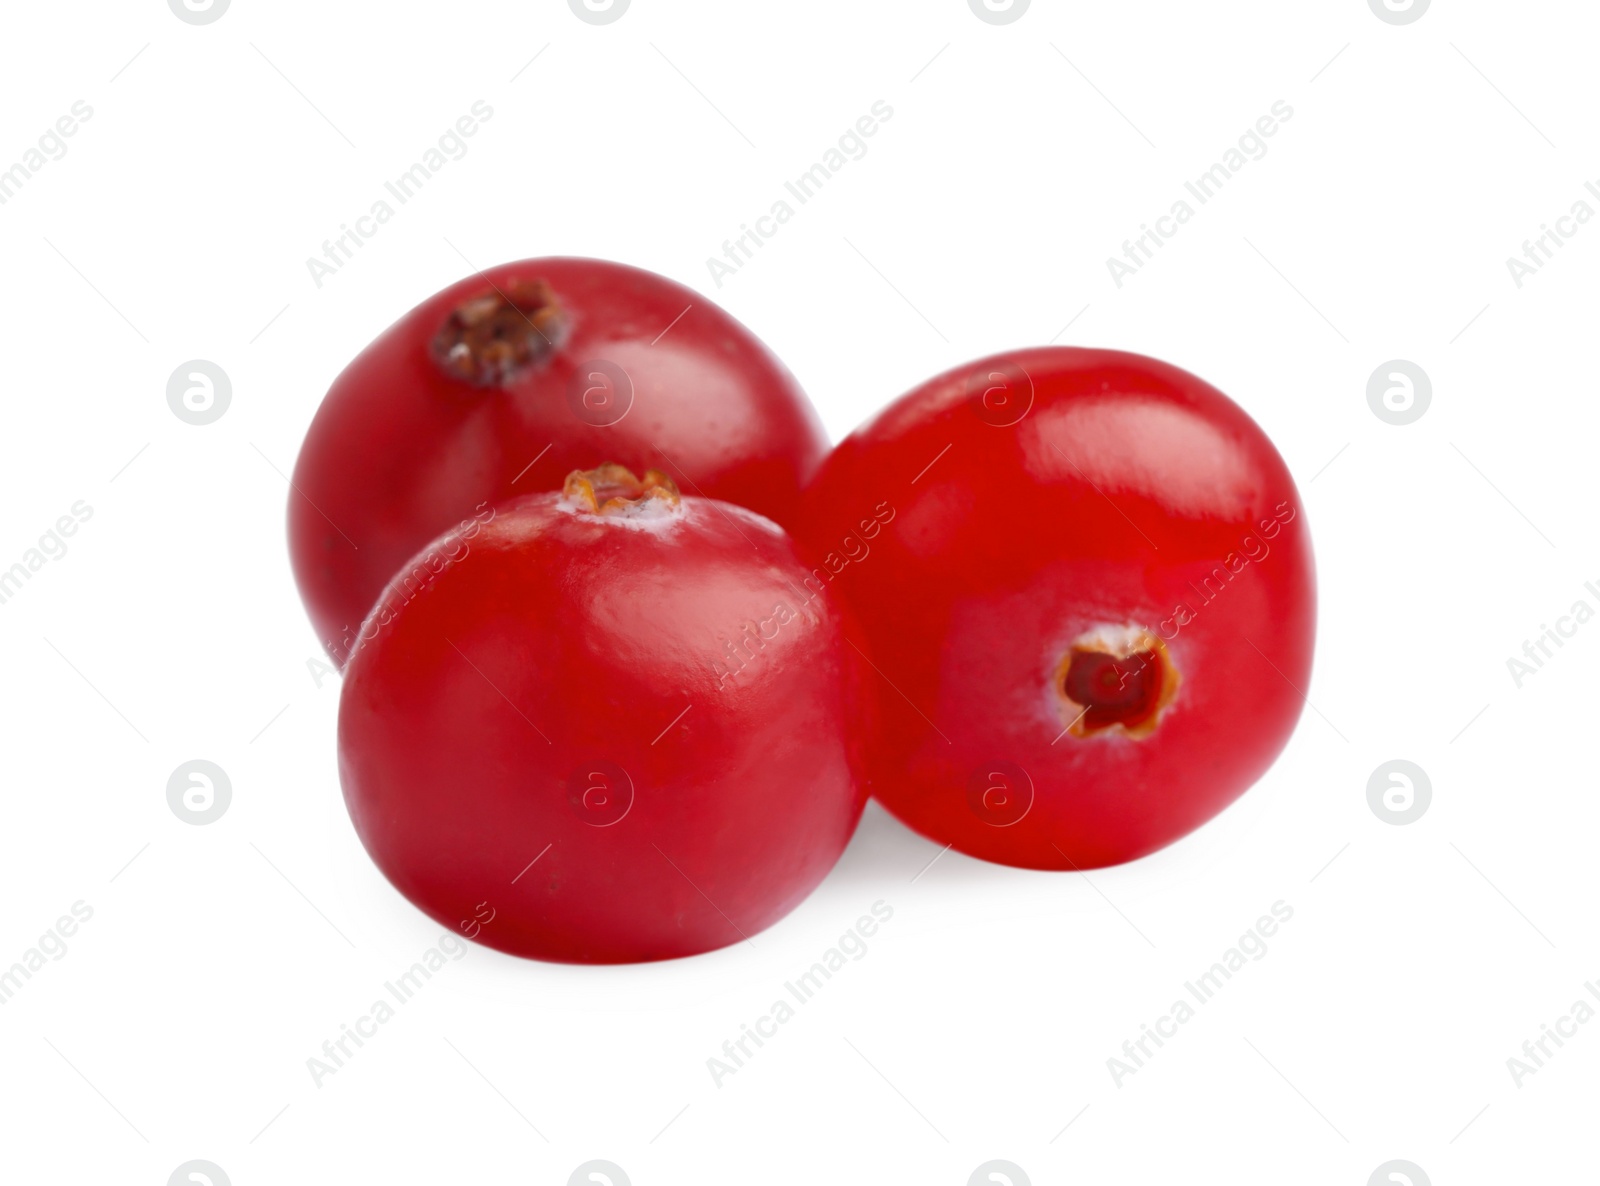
(1116, 678)
(612, 489)
(489, 340)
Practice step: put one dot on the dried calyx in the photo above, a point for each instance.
(1116, 679)
(490, 339)
(613, 490)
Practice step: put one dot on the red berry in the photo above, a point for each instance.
(495, 386)
(605, 725)
(1085, 580)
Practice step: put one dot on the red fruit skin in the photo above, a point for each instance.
(1032, 497)
(399, 450)
(551, 642)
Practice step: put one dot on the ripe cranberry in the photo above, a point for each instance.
(605, 725)
(1086, 583)
(501, 383)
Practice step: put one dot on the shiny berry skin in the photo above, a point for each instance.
(1086, 583)
(604, 725)
(504, 382)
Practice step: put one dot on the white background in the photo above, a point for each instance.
(1018, 158)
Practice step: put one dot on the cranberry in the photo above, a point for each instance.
(605, 725)
(504, 381)
(1085, 580)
